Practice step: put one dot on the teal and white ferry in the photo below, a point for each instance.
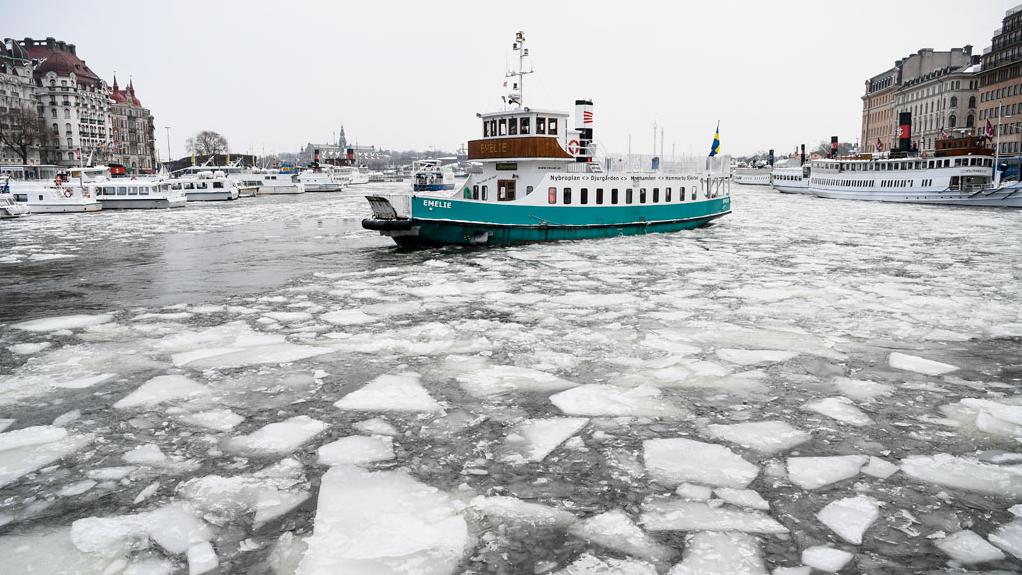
(540, 182)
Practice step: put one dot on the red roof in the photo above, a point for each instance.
(59, 57)
(125, 95)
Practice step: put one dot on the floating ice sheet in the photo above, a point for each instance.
(754, 356)
(160, 389)
(62, 322)
(968, 548)
(679, 460)
(608, 400)
(401, 392)
(276, 438)
(32, 448)
(816, 472)
(742, 498)
(965, 473)
(763, 436)
(616, 531)
(681, 515)
(588, 564)
(533, 440)
(850, 517)
(839, 408)
(826, 558)
(503, 379)
(356, 450)
(917, 364)
(714, 553)
(517, 512)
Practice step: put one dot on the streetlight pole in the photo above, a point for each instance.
(169, 157)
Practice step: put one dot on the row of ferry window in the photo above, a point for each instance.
(192, 186)
(871, 183)
(787, 178)
(516, 126)
(915, 165)
(122, 191)
(583, 195)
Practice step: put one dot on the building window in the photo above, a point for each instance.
(952, 121)
(970, 121)
(972, 101)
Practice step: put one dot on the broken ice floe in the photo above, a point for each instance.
(678, 460)
(754, 356)
(839, 408)
(966, 473)
(160, 389)
(673, 514)
(917, 364)
(763, 436)
(356, 450)
(28, 449)
(266, 494)
(590, 565)
(826, 558)
(277, 438)
(616, 531)
(816, 472)
(504, 509)
(715, 553)
(742, 498)
(401, 392)
(499, 380)
(608, 400)
(533, 440)
(968, 548)
(62, 322)
(850, 517)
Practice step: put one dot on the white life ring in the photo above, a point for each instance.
(68, 193)
(573, 147)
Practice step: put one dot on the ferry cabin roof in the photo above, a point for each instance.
(523, 134)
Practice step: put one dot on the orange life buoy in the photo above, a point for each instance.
(573, 147)
(68, 193)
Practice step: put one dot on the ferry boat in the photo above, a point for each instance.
(65, 193)
(960, 173)
(356, 174)
(431, 176)
(205, 186)
(246, 180)
(273, 182)
(752, 176)
(538, 182)
(318, 180)
(10, 209)
(791, 178)
(122, 194)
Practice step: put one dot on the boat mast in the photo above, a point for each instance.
(515, 97)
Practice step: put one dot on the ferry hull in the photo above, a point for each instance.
(285, 190)
(212, 197)
(791, 189)
(432, 187)
(159, 203)
(322, 188)
(991, 198)
(479, 224)
(63, 208)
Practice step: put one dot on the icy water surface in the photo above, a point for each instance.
(263, 387)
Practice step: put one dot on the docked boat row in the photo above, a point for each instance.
(960, 172)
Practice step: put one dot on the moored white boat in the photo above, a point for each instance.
(431, 176)
(205, 186)
(65, 193)
(960, 173)
(10, 209)
(319, 180)
(791, 179)
(273, 182)
(123, 194)
(355, 174)
(752, 176)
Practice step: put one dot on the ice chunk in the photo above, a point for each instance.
(965, 473)
(754, 356)
(5, 423)
(34, 435)
(862, 390)
(682, 515)
(616, 531)
(712, 553)
(826, 558)
(160, 389)
(148, 454)
(356, 450)
(839, 408)
(228, 358)
(677, 460)
(967, 548)
(115, 473)
(815, 472)
(609, 400)
(850, 517)
(39, 552)
(534, 439)
(173, 527)
(150, 566)
(742, 498)
(25, 454)
(348, 317)
(270, 492)
(276, 438)
(802, 570)
(385, 523)
(76, 488)
(694, 492)
(288, 316)
(401, 392)
(375, 426)
(29, 348)
(515, 511)
(587, 564)
(499, 380)
(214, 419)
(879, 468)
(763, 436)
(921, 365)
(62, 322)
(201, 558)
(1009, 537)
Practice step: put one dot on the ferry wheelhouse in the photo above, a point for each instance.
(961, 172)
(538, 182)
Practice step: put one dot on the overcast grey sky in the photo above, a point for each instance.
(404, 75)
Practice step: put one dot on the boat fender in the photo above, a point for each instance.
(68, 193)
(573, 147)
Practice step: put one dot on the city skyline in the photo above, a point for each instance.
(303, 75)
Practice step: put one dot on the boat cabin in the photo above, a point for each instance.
(522, 134)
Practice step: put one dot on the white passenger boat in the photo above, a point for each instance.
(752, 176)
(246, 180)
(65, 193)
(273, 182)
(319, 180)
(125, 194)
(960, 173)
(431, 176)
(356, 174)
(10, 209)
(205, 186)
(791, 178)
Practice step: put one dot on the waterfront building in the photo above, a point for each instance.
(132, 133)
(17, 92)
(1001, 83)
(878, 109)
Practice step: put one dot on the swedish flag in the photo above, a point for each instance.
(715, 146)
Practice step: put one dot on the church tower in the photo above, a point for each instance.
(342, 141)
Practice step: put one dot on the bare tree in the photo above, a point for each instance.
(207, 142)
(843, 148)
(21, 129)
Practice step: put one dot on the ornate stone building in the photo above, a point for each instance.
(132, 133)
(73, 100)
(17, 91)
(1000, 91)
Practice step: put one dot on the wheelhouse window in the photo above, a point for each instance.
(524, 126)
(541, 125)
(551, 126)
(512, 126)
(567, 195)
(551, 196)
(216, 185)
(599, 195)
(502, 127)
(583, 196)
(613, 196)
(493, 127)
(486, 129)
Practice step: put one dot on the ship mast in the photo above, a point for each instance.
(515, 96)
